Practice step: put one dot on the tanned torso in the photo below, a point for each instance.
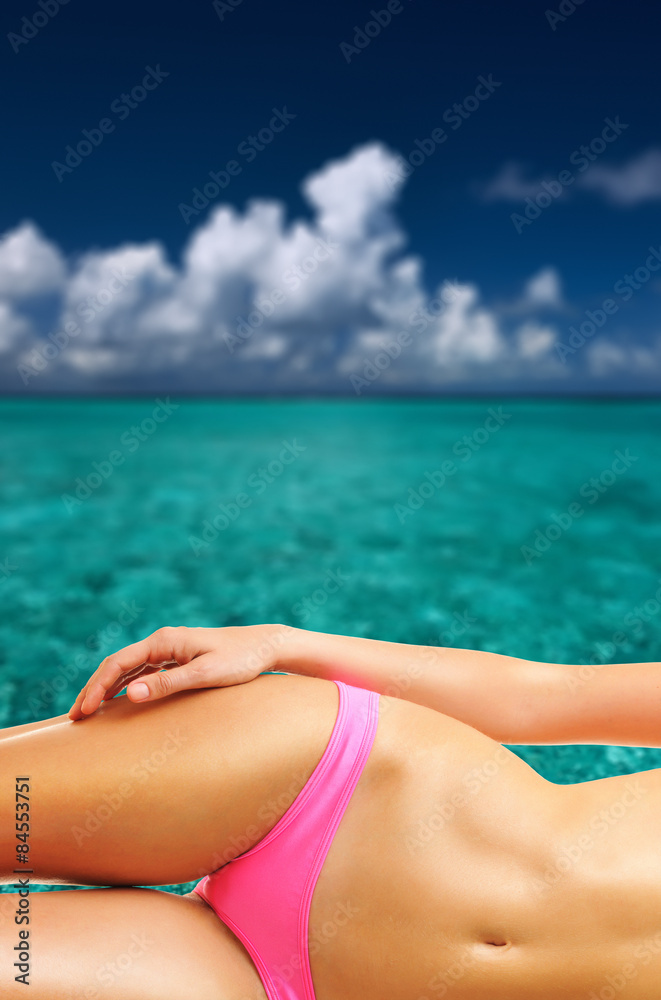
(459, 871)
(469, 874)
(456, 871)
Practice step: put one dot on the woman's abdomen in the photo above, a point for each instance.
(444, 863)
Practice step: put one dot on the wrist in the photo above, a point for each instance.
(294, 650)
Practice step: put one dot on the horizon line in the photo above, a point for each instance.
(333, 394)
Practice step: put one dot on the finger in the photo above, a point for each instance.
(89, 699)
(74, 711)
(199, 673)
(131, 675)
(163, 646)
(106, 675)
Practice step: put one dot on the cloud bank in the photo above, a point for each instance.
(632, 183)
(332, 304)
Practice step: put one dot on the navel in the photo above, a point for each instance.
(496, 942)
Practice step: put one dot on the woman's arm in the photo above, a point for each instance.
(511, 700)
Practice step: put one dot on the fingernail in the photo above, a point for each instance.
(138, 692)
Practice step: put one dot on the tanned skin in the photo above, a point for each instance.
(456, 870)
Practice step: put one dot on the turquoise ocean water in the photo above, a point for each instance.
(524, 527)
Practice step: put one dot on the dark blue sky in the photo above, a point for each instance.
(556, 89)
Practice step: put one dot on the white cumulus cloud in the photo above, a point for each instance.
(544, 289)
(30, 266)
(257, 303)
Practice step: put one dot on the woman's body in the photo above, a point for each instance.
(457, 867)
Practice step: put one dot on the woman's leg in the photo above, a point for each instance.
(164, 792)
(122, 944)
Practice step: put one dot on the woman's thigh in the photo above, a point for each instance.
(133, 944)
(165, 792)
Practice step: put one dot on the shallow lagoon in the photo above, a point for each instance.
(444, 522)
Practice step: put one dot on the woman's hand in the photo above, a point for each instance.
(176, 659)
